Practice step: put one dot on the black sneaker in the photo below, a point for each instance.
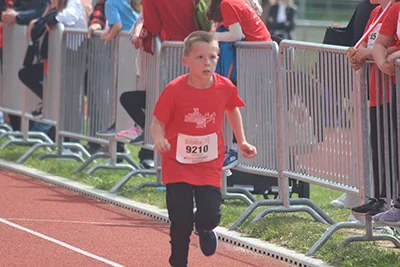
(379, 207)
(364, 209)
(147, 164)
(93, 148)
(37, 112)
(208, 242)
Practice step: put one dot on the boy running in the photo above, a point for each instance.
(187, 131)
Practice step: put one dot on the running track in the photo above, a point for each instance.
(42, 225)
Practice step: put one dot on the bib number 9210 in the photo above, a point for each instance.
(196, 149)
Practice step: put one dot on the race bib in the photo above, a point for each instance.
(373, 35)
(196, 149)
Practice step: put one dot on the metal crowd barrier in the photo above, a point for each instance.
(15, 98)
(308, 117)
(115, 82)
(257, 82)
(149, 81)
(264, 117)
(385, 133)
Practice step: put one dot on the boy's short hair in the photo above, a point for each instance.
(197, 36)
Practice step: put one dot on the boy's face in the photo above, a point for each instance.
(202, 60)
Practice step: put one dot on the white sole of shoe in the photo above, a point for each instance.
(105, 134)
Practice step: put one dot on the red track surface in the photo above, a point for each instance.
(41, 225)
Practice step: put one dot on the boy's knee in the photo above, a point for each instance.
(208, 220)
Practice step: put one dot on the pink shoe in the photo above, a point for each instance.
(132, 133)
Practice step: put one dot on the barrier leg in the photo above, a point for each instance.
(307, 209)
(32, 150)
(127, 177)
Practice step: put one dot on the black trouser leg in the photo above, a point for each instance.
(180, 210)
(208, 203)
(32, 77)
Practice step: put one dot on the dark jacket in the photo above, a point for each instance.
(277, 28)
(354, 30)
(27, 10)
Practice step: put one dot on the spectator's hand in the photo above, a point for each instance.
(392, 58)
(93, 27)
(106, 36)
(29, 28)
(9, 16)
(357, 65)
(361, 54)
(136, 41)
(387, 68)
(350, 52)
(161, 145)
(248, 151)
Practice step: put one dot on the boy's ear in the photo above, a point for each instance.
(185, 61)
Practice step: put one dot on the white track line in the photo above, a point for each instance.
(61, 243)
(157, 224)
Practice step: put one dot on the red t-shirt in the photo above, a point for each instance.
(253, 28)
(370, 42)
(195, 112)
(175, 17)
(391, 24)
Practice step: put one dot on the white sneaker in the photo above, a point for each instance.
(346, 201)
(339, 203)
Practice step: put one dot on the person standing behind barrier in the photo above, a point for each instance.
(385, 61)
(349, 36)
(72, 13)
(280, 21)
(357, 58)
(120, 16)
(187, 131)
(241, 23)
(97, 20)
(20, 13)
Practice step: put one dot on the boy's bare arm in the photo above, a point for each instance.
(235, 119)
(380, 53)
(158, 132)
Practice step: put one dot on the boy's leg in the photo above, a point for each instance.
(208, 216)
(180, 211)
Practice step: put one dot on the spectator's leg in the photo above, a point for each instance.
(180, 210)
(32, 77)
(134, 103)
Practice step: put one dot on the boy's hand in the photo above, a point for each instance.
(161, 145)
(248, 151)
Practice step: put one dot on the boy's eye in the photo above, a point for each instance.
(213, 57)
(200, 57)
